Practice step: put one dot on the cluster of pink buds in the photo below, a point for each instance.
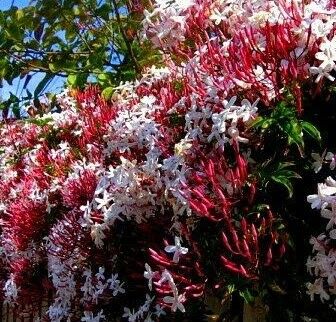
(214, 188)
(252, 246)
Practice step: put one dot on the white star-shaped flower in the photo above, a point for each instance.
(177, 249)
(176, 302)
(318, 161)
(103, 202)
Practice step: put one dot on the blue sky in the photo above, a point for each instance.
(16, 88)
(5, 4)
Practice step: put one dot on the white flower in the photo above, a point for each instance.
(129, 314)
(175, 301)
(88, 317)
(318, 243)
(181, 147)
(331, 157)
(330, 214)
(329, 47)
(177, 249)
(317, 164)
(115, 285)
(159, 311)
(218, 120)
(64, 146)
(311, 263)
(148, 100)
(234, 133)
(327, 189)
(112, 214)
(330, 182)
(100, 274)
(11, 290)
(103, 202)
(332, 234)
(87, 211)
(184, 4)
(97, 234)
(249, 109)
(320, 72)
(321, 200)
(327, 58)
(317, 288)
(2, 207)
(167, 277)
(149, 274)
(320, 28)
(217, 16)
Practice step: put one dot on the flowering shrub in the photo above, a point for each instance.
(173, 192)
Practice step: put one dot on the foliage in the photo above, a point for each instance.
(81, 40)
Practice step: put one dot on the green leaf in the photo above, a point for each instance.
(72, 80)
(284, 181)
(14, 33)
(107, 93)
(54, 67)
(289, 174)
(76, 11)
(104, 79)
(76, 80)
(104, 11)
(231, 288)
(311, 130)
(39, 121)
(13, 98)
(257, 122)
(19, 14)
(280, 174)
(294, 132)
(247, 296)
(16, 110)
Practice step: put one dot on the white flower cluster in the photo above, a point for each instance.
(121, 194)
(175, 301)
(63, 280)
(92, 290)
(133, 128)
(65, 100)
(142, 314)
(328, 157)
(322, 265)
(226, 121)
(89, 317)
(11, 290)
(165, 25)
(327, 56)
(94, 287)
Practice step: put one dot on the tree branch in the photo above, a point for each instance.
(128, 45)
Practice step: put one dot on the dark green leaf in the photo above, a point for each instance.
(284, 181)
(247, 296)
(311, 130)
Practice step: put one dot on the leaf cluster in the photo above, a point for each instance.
(81, 40)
